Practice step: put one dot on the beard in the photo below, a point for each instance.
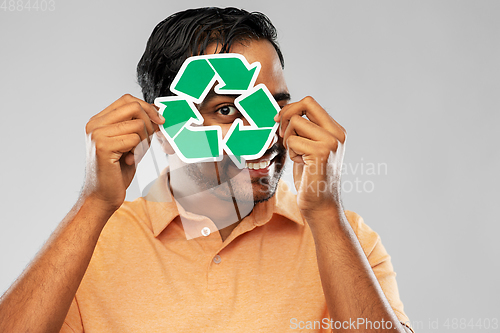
(228, 183)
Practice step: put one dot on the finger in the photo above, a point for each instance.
(141, 150)
(125, 113)
(115, 147)
(294, 153)
(137, 153)
(156, 128)
(301, 107)
(307, 129)
(314, 112)
(129, 158)
(150, 109)
(303, 150)
(136, 126)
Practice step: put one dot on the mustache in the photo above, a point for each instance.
(219, 174)
(276, 148)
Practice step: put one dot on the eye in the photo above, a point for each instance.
(228, 110)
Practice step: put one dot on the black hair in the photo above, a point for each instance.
(189, 33)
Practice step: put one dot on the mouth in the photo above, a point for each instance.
(257, 165)
(261, 166)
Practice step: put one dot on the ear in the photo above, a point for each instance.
(167, 148)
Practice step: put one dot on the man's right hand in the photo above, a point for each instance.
(40, 298)
(117, 139)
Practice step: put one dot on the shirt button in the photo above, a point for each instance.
(205, 231)
(217, 259)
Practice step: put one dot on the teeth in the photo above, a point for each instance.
(257, 165)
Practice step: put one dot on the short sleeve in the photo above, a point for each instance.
(73, 321)
(380, 262)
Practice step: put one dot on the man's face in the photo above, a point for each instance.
(258, 180)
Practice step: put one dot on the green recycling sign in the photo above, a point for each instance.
(183, 122)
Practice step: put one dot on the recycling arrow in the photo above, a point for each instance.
(199, 73)
(250, 142)
(192, 83)
(179, 114)
(206, 147)
(198, 76)
(234, 73)
(254, 139)
(258, 107)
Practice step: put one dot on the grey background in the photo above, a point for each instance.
(415, 83)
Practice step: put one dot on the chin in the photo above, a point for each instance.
(264, 188)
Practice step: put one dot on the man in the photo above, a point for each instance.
(235, 251)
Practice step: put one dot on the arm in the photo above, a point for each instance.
(346, 275)
(316, 146)
(40, 298)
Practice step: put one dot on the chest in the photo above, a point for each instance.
(261, 280)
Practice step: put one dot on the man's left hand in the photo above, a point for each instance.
(316, 146)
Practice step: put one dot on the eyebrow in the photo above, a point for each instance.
(281, 96)
(211, 95)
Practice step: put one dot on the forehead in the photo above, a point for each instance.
(271, 74)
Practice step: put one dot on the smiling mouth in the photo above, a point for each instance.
(262, 163)
(257, 165)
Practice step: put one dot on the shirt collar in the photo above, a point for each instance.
(162, 207)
